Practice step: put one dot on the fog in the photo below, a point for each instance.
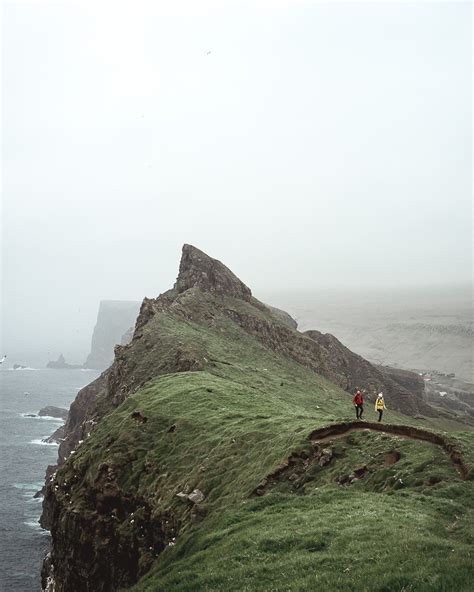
(309, 146)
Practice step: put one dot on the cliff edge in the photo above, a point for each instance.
(213, 391)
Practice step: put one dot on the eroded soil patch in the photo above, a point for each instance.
(403, 431)
(296, 468)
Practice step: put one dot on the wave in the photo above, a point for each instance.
(29, 492)
(31, 499)
(45, 417)
(20, 369)
(41, 442)
(29, 486)
(35, 525)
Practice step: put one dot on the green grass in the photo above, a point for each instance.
(234, 423)
(332, 540)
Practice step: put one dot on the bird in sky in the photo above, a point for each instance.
(3, 359)
(208, 53)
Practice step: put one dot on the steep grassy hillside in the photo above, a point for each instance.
(407, 525)
(216, 399)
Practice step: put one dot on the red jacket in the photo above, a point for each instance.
(358, 399)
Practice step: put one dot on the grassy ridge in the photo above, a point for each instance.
(225, 428)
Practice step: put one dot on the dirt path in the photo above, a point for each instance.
(299, 462)
(404, 431)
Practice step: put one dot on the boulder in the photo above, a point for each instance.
(196, 496)
(325, 458)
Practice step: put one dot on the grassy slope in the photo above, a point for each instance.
(237, 421)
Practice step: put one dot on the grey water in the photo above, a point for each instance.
(23, 461)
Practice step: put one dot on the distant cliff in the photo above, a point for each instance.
(114, 320)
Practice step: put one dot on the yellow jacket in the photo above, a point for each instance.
(379, 404)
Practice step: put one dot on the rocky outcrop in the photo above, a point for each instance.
(114, 319)
(82, 416)
(284, 317)
(90, 552)
(52, 411)
(411, 381)
(403, 390)
(61, 364)
(57, 436)
(198, 270)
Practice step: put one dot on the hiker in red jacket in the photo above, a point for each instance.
(358, 401)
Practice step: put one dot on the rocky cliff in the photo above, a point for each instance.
(404, 389)
(114, 319)
(110, 505)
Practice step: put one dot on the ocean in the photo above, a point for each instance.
(23, 461)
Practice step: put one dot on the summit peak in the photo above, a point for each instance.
(210, 275)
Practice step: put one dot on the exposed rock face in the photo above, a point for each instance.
(114, 320)
(51, 411)
(90, 555)
(90, 551)
(412, 381)
(80, 418)
(284, 317)
(196, 496)
(403, 390)
(61, 364)
(198, 270)
(57, 436)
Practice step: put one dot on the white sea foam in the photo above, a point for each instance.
(20, 369)
(44, 417)
(35, 525)
(35, 500)
(29, 486)
(29, 491)
(43, 443)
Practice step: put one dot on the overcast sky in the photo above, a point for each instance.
(304, 144)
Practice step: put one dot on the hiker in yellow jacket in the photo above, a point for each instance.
(380, 405)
